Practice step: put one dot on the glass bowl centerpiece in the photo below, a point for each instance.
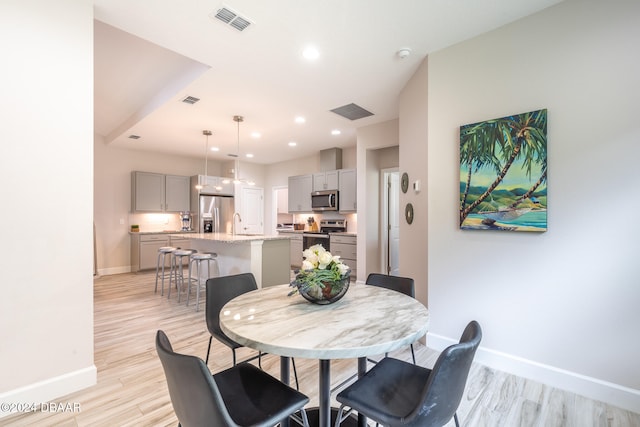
(323, 278)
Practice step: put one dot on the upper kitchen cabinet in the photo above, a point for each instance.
(325, 180)
(155, 192)
(215, 185)
(176, 193)
(347, 190)
(300, 188)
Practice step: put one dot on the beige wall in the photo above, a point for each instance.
(561, 306)
(46, 308)
(372, 140)
(112, 201)
(413, 160)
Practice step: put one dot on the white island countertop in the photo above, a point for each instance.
(231, 238)
(266, 256)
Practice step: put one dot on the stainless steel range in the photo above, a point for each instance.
(327, 226)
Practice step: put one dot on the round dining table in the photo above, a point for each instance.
(367, 321)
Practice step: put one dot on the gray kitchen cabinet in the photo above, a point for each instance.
(346, 247)
(347, 190)
(155, 192)
(144, 250)
(176, 193)
(300, 188)
(325, 180)
(296, 250)
(179, 242)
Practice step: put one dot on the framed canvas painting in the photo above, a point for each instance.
(503, 173)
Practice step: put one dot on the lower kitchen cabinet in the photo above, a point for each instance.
(346, 247)
(296, 250)
(144, 250)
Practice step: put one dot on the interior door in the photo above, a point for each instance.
(393, 215)
(252, 213)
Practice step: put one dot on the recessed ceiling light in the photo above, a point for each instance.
(215, 149)
(256, 134)
(300, 119)
(335, 132)
(311, 53)
(249, 155)
(292, 143)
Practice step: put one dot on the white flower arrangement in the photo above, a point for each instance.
(319, 270)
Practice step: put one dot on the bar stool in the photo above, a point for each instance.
(162, 254)
(198, 259)
(176, 274)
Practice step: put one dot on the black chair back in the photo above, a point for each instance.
(194, 394)
(396, 283)
(445, 386)
(221, 290)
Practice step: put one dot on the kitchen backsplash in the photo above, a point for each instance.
(150, 222)
(352, 219)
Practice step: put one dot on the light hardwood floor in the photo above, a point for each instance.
(131, 389)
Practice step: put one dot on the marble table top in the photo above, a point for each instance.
(368, 320)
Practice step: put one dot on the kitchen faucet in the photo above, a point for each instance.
(233, 223)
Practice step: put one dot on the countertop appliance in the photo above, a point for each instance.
(327, 226)
(326, 200)
(214, 214)
(185, 219)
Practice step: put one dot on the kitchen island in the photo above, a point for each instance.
(267, 257)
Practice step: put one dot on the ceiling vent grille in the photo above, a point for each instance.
(190, 100)
(232, 18)
(352, 112)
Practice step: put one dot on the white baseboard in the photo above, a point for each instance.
(114, 270)
(43, 393)
(593, 388)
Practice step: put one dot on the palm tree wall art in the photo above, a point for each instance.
(503, 173)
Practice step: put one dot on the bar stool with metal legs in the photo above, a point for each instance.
(176, 274)
(195, 276)
(162, 254)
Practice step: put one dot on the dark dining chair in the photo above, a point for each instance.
(403, 285)
(396, 393)
(221, 290)
(242, 395)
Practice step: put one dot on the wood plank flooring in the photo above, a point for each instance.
(132, 391)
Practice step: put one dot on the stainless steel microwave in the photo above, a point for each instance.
(324, 200)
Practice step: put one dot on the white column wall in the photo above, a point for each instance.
(46, 171)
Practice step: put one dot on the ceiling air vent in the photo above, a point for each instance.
(231, 18)
(352, 112)
(190, 100)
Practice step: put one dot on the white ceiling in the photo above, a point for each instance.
(153, 54)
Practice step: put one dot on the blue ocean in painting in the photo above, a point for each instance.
(536, 219)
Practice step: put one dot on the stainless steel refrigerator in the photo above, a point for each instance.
(214, 214)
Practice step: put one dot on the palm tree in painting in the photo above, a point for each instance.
(534, 187)
(497, 144)
(478, 150)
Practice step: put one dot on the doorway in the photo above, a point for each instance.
(280, 208)
(390, 221)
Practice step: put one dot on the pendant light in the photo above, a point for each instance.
(201, 185)
(236, 169)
